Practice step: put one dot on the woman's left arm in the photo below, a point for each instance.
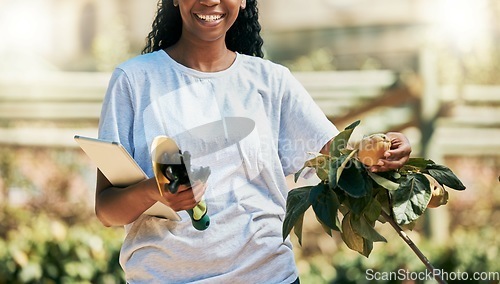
(395, 157)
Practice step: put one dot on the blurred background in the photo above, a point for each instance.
(430, 69)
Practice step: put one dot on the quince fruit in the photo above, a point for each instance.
(372, 148)
(439, 194)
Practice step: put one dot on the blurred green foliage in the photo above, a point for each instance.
(36, 247)
(471, 245)
(54, 236)
(467, 251)
(111, 46)
(480, 65)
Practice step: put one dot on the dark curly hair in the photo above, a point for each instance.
(243, 37)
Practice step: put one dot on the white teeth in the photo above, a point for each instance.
(209, 18)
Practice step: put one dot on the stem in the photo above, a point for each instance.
(414, 247)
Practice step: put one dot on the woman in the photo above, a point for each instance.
(202, 65)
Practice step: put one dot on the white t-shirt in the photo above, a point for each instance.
(270, 123)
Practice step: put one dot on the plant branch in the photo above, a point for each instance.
(414, 247)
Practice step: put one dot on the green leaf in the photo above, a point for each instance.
(445, 176)
(410, 226)
(383, 182)
(419, 162)
(296, 204)
(366, 229)
(367, 247)
(358, 205)
(332, 171)
(350, 237)
(347, 151)
(316, 192)
(325, 227)
(415, 165)
(373, 210)
(297, 228)
(382, 197)
(411, 198)
(297, 174)
(340, 141)
(353, 240)
(343, 165)
(320, 163)
(354, 180)
(395, 175)
(344, 209)
(353, 125)
(341, 195)
(325, 205)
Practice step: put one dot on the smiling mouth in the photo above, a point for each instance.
(210, 18)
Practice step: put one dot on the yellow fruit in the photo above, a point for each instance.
(439, 194)
(372, 148)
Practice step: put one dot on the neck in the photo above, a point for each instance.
(209, 57)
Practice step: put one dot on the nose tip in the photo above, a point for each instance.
(209, 2)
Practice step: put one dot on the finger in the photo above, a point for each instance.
(183, 187)
(397, 137)
(387, 165)
(187, 197)
(199, 190)
(392, 165)
(393, 155)
(179, 203)
(398, 153)
(376, 169)
(400, 144)
(183, 193)
(186, 194)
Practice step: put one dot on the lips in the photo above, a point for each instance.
(211, 17)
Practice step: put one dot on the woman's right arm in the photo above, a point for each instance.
(115, 206)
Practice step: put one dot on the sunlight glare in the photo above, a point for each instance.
(465, 22)
(25, 25)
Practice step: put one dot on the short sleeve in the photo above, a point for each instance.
(117, 113)
(304, 128)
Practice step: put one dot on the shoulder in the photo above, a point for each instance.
(262, 65)
(142, 63)
(270, 74)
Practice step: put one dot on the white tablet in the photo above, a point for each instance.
(120, 169)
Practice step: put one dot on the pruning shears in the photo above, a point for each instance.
(172, 168)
